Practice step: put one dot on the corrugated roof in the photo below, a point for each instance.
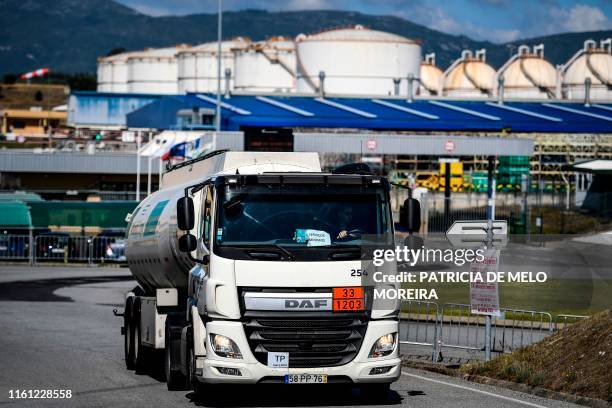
(392, 114)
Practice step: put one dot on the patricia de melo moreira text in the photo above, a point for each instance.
(481, 274)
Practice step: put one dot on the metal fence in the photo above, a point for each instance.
(419, 325)
(60, 247)
(454, 326)
(14, 247)
(564, 320)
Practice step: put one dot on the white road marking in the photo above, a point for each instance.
(475, 390)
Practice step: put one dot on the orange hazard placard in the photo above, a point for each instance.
(348, 299)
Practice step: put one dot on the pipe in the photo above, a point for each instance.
(500, 90)
(539, 50)
(481, 54)
(430, 58)
(322, 84)
(228, 75)
(410, 87)
(396, 86)
(587, 92)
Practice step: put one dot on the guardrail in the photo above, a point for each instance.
(61, 248)
(14, 247)
(419, 325)
(454, 326)
(563, 320)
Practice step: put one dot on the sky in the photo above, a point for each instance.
(498, 21)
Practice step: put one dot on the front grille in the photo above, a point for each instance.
(311, 342)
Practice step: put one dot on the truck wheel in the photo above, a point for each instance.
(378, 392)
(175, 380)
(128, 343)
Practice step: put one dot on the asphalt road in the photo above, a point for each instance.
(57, 331)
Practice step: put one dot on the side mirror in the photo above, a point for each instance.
(185, 214)
(410, 215)
(187, 243)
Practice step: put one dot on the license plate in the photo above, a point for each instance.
(57, 251)
(306, 379)
(348, 299)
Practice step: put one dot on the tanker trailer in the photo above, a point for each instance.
(248, 269)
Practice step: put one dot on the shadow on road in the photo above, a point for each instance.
(41, 290)
(275, 395)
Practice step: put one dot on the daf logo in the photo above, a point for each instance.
(305, 304)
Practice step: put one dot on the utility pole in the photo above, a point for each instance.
(219, 37)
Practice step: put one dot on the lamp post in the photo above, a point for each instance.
(219, 37)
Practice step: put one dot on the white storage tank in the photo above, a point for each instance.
(469, 76)
(266, 66)
(430, 76)
(113, 73)
(197, 66)
(591, 62)
(355, 60)
(528, 75)
(154, 71)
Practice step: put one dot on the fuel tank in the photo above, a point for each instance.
(152, 245)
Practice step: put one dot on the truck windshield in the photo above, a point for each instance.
(304, 216)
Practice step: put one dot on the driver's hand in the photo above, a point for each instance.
(342, 234)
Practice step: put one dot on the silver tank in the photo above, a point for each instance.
(152, 244)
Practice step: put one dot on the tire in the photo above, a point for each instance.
(378, 392)
(128, 342)
(175, 380)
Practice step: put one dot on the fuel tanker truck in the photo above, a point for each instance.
(249, 271)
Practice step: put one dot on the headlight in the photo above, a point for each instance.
(383, 346)
(224, 347)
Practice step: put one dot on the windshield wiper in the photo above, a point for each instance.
(285, 251)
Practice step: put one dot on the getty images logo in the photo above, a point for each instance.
(306, 304)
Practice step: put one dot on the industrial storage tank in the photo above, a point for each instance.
(355, 60)
(469, 76)
(113, 73)
(197, 66)
(266, 66)
(528, 75)
(593, 63)
(430, 76)
(154, 71)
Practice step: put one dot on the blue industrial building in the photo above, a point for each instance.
(241, 112)
(99, 109)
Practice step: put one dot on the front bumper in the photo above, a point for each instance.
(252, 371)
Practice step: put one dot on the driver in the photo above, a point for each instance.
(343, 217)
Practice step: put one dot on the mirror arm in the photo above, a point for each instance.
(204, 261)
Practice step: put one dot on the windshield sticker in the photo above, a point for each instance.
(219, 234)
(312, 237)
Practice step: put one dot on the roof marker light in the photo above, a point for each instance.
(464, 110)
(346, 108)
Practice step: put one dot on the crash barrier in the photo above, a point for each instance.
(563, 320)
(14, 247)
(61, 247)
(419, 324)
(454, 326)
